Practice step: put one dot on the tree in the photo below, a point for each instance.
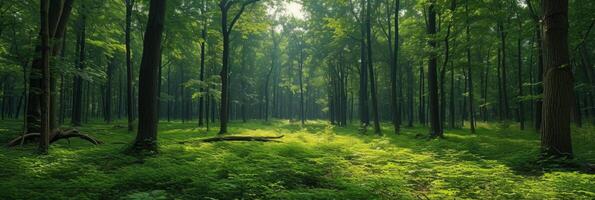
(226, 29)
(469, 71)
(77, 101)
(558, 80)
(435, 130)
(371, 68)
(44, 35)
(394, 65)
(129, 70)
(146, 138)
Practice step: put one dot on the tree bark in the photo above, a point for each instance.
(129, 70)
(558, 80)
(469, 72)
(77, 104)
(436, 130)
(226, 28)
(371, 69)
(146, 138)
(44, 35)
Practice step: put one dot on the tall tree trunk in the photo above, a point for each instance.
(539, 88)
(44, 36)
(410, 94)
(201, 101)
(503, 35)
(363, 78)
(301, 71)
(371, 69)
(129, 70)
(146, 138)
(558, 80)
(108, 90)
(436, 130)
(77, 104)
(394, 65)
(469, 72)
(226, 28)
(422, 101)
(521, 109)
(57, 34)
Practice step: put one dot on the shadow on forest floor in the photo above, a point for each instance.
(317, 161)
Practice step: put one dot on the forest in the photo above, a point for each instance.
(297, 99)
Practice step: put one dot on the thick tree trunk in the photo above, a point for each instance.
(146, 138)
(558, 80)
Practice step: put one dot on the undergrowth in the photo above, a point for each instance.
(318, 161)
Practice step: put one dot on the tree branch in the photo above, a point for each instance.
(239, 14)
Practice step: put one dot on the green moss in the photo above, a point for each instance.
(319, 161)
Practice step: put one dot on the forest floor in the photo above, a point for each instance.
(319, 161)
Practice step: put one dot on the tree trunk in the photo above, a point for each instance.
(363, 78)
(371, 69)
(44, 35)
(394, 65)
(77, 104)
(57, 34)
(436, 130)
(558, 81)
(469, 72)
(129, 70)
(521, 109)
(201, 101)
(146, 138)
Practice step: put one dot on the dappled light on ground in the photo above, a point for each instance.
(318, 161)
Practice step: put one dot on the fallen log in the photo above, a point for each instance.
(244, 138)
(54, 137)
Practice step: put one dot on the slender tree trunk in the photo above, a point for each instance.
(302, 116)
(146, 138)
(521, 109)
(44, 35)
(201, 101)
(422, 101)
(436, 130)
(363, 78)
(410, 94)
(371, 69)
(108, 91)
(129, 70)
(58, 22)
(558, 81)
(77, 104)
(505, 107)
(394, 65)
(470, 72)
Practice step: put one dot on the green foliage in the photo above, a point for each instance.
(318, 161)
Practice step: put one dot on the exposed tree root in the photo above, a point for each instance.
(55, 136)
(244, 138)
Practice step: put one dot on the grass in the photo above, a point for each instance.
(319, 161)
